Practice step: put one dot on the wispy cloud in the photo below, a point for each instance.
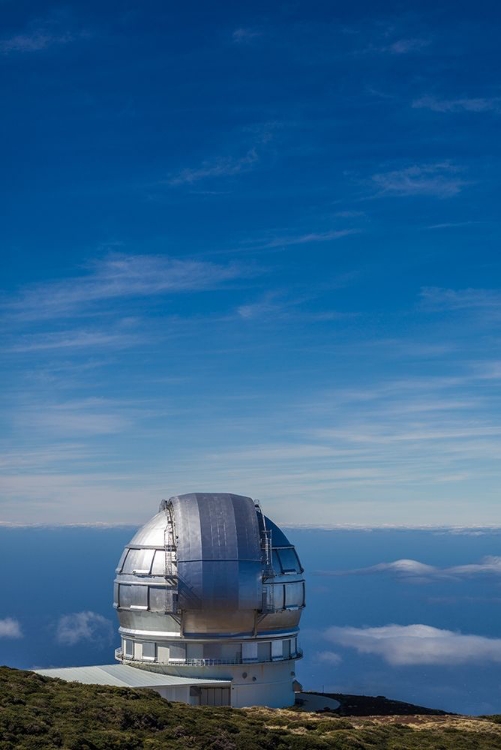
(73, 339)
(56, 29)
(435, 180)
(407, 46)
(439, 299)
(265, 307)
(118, 276)
(220, 167)
(413, 569)
(91, 416)
(330, 657)
(274, 307)
(478, 104)
(349, 214)
(10, 628)
(42, 457)
(84, 626)
(311, 237)
(245, 34)
(402, 46)
(408, 645)
(452, 224)
(34, 41)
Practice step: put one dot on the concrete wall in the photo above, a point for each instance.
(179, 693)
(271, 687)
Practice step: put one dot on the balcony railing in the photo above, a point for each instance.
(209, 662)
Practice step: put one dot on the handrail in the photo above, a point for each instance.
(212, 662)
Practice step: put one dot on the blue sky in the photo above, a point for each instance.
(251, 247)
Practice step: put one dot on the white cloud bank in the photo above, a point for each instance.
(490, 565)
(10, 628)
(83, 626)
(408, 645)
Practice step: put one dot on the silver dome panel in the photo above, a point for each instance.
(219, 557)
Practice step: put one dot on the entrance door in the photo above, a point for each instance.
(213, 696)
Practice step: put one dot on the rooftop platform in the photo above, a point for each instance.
(121, 675)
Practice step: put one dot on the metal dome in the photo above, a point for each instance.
(210, 582)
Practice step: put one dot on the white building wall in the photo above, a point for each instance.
(179, 693)
(271, 687)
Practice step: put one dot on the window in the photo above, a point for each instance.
(294, 595)
(133, 597)
(278, 597)
(195, 651)
(264, 651)
(158, 599)
(289, 560)
(149, 651)
(158, 568)
(121, 561)
(138, 562)
(128, 647)
(277, 568)
(277, 650)
(273, 597)
(177, 652)
(249, 651)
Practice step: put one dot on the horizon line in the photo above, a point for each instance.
(293, 526)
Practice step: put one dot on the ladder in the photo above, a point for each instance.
(170, 572)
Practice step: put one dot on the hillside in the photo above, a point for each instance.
(37, 713)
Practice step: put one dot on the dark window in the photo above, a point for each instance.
(289, 560)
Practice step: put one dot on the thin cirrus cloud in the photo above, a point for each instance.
(84, 626)
(440, 300)
(10, 628)
(35, 41)
(472, 104)
(434, 180)
(92, 416)
(220, 167)
(407, 46)
(402, 46)
(74, 339)
(305, 239)
(41, 458)
(120, 276)
(244, 35)
(409, 645)
(413, 569)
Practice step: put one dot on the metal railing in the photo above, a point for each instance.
(214, 662)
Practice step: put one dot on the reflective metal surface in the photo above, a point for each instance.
(218, 552)
(209, 580)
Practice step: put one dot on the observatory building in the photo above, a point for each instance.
(209, 594)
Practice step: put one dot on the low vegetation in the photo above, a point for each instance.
(37, 713)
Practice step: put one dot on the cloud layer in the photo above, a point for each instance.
(10, 628)
(408, 645)
(84, 626)
(490, 565)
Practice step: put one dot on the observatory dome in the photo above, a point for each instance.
(210, 587)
